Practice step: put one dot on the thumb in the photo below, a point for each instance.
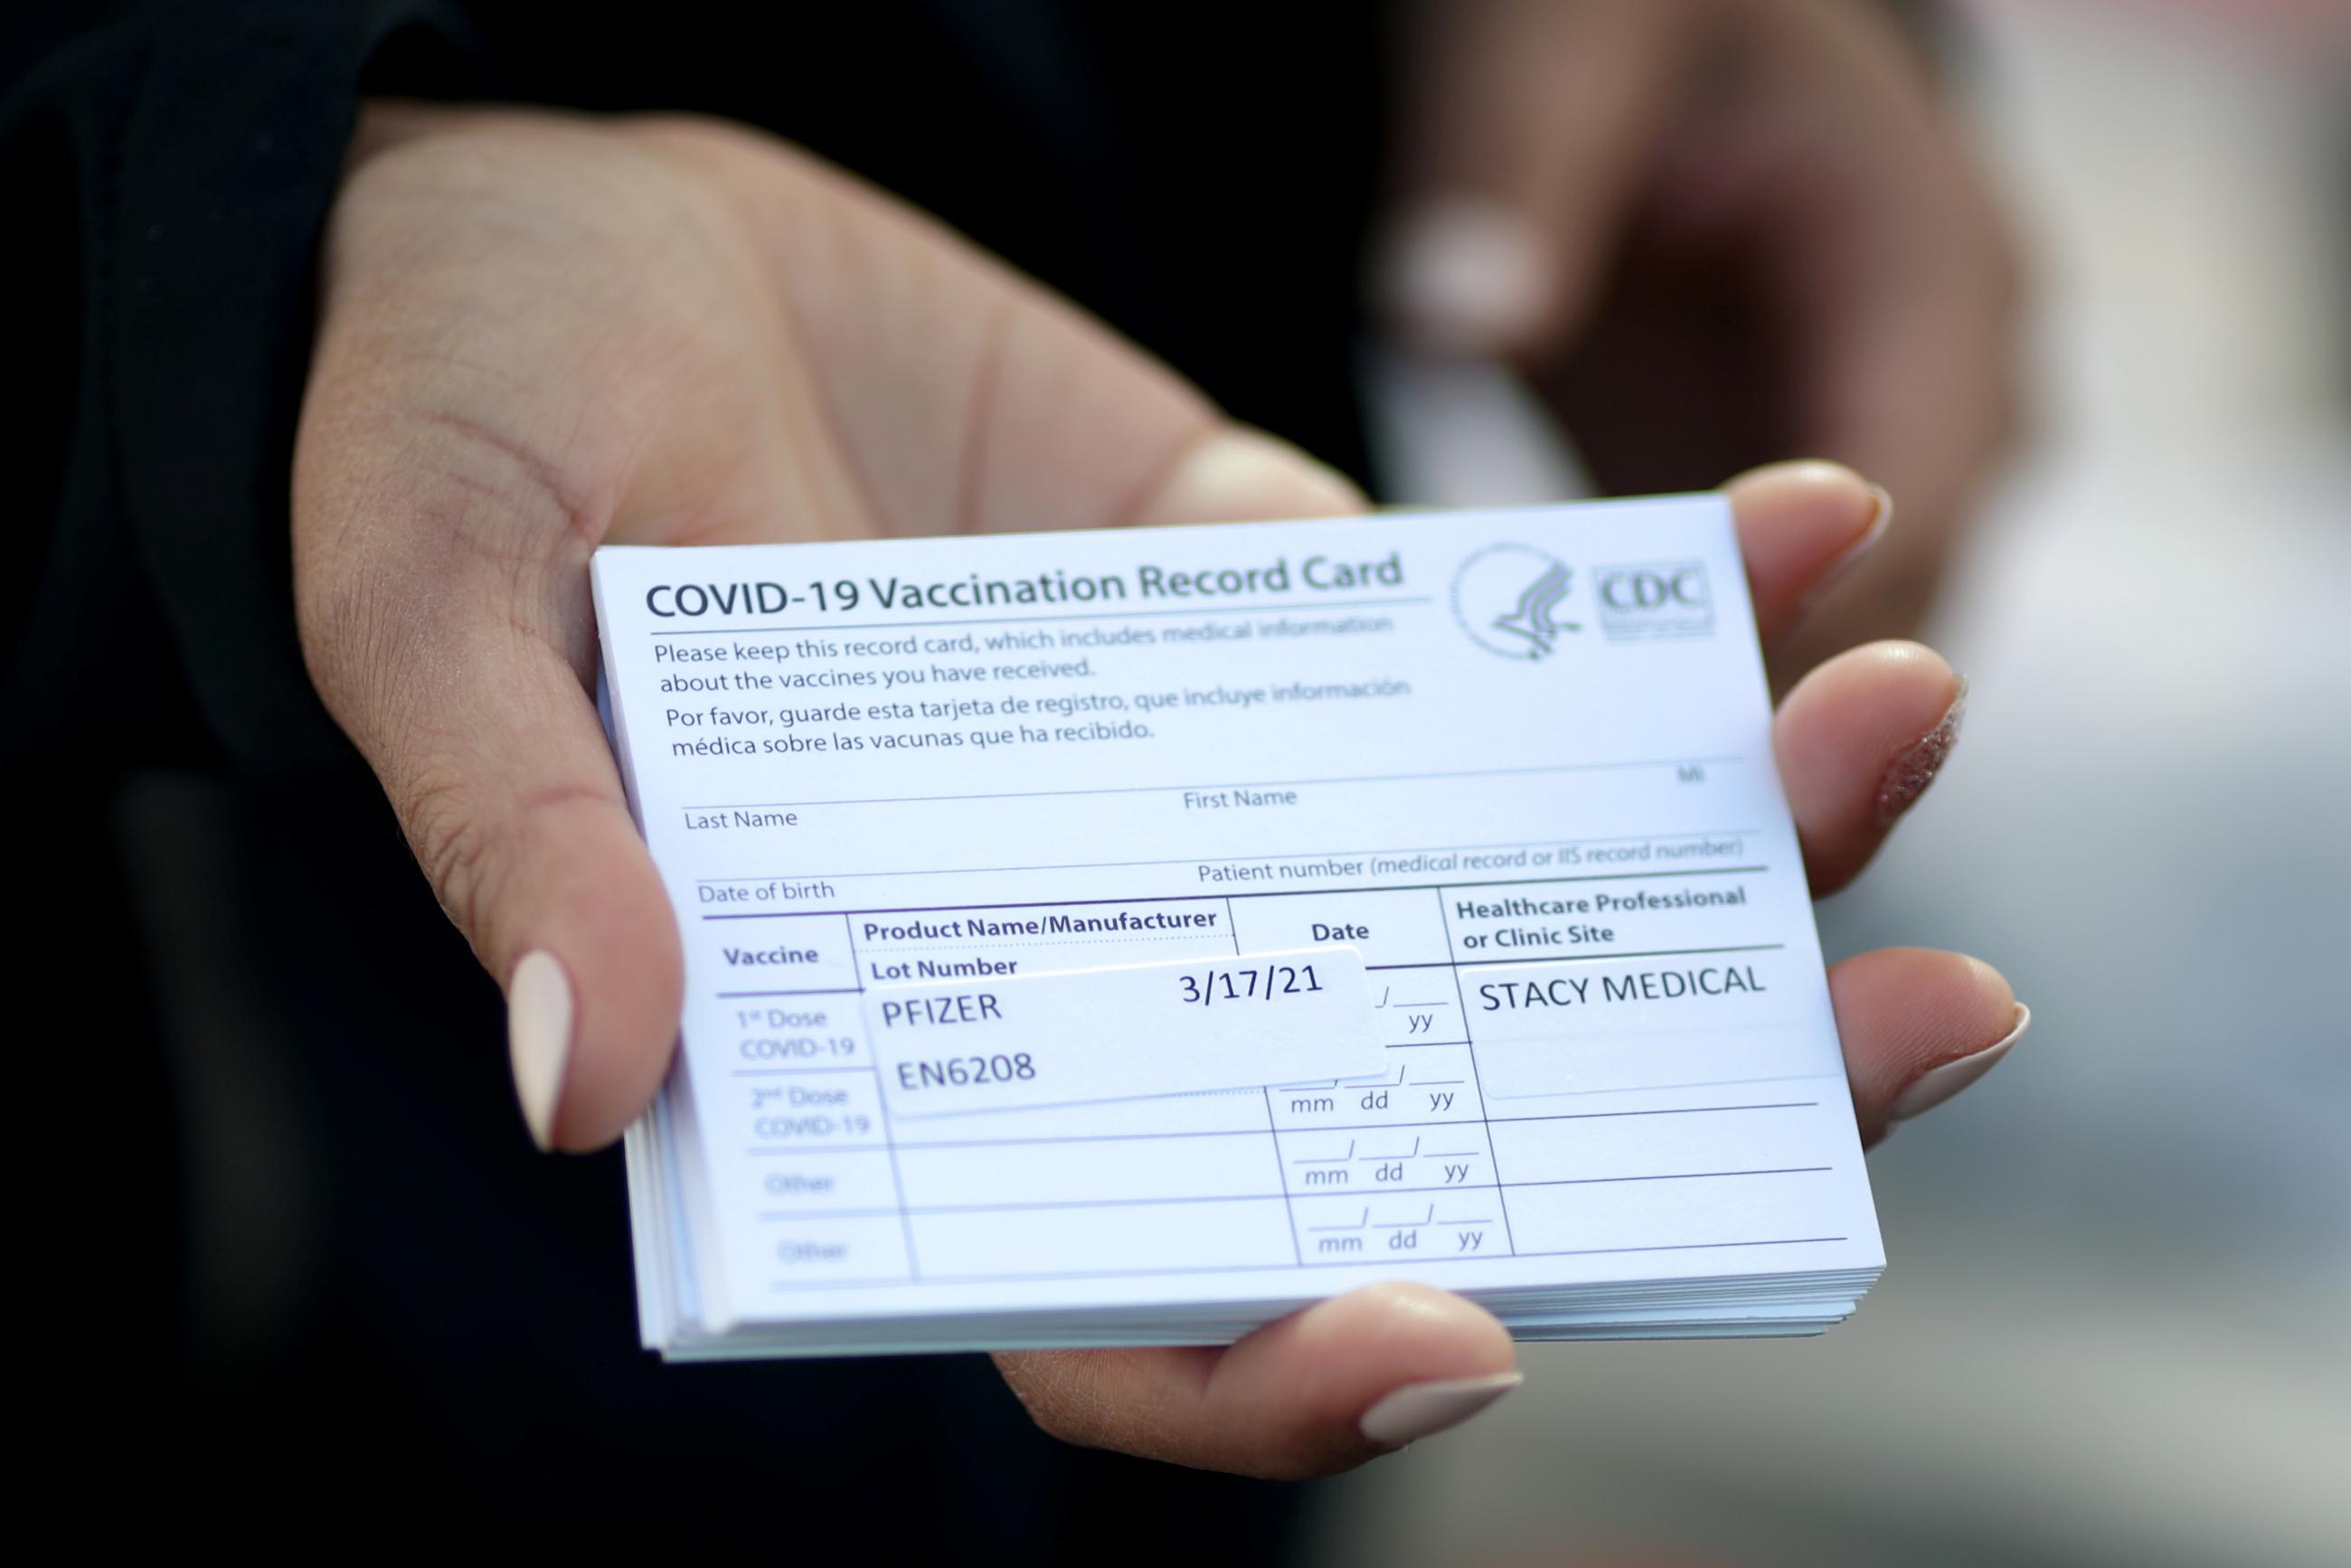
(1527, 129)
(536, 856)
(551, 879)
(478, 724)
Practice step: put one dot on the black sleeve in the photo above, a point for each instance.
(168, 165)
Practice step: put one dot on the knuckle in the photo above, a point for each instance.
(358, 648)
(489, 539)
(704, 137)
(686, 126)
(507, 499)
(456, 850)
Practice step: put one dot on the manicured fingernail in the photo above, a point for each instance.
(1909, 774)
(1466, 277)
(1938, 1085)
(538, 1039)
(1240, 474)
(1418, 1410)
(1853, 554)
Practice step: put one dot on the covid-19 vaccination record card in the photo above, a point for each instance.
(1129, 936)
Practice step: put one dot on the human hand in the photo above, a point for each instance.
(1715, 232)
(1857, 740)
(541, 333)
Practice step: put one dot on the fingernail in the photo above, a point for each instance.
(1243, 474)
(1853, 554)
(538, 1039)
(1909, 774)
(1938, 1085)
(1464, 275)
(1418, 1410)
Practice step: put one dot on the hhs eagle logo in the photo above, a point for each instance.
(1507, 596)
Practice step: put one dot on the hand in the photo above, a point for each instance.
(541, 333)
(1715, 232)
(1857, 740)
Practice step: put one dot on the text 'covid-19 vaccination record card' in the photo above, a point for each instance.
(1127, 937)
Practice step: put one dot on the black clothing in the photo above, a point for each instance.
(309, 1252)
(173, 162)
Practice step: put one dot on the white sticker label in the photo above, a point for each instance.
(1133, 1031)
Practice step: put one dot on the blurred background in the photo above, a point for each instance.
(2112, 1329)
(320, 1265)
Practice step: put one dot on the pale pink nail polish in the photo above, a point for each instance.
(1853, 554)
(1422, 1409)
(540, 1009)
(1938, 1083)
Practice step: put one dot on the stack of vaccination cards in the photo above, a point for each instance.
(1128, 937)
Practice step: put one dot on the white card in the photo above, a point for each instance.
(1520, 761)
(966, 1046)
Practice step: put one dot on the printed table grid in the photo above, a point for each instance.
(1327, 1219)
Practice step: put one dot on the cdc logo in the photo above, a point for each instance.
(1658, 598)
(1507, 598)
